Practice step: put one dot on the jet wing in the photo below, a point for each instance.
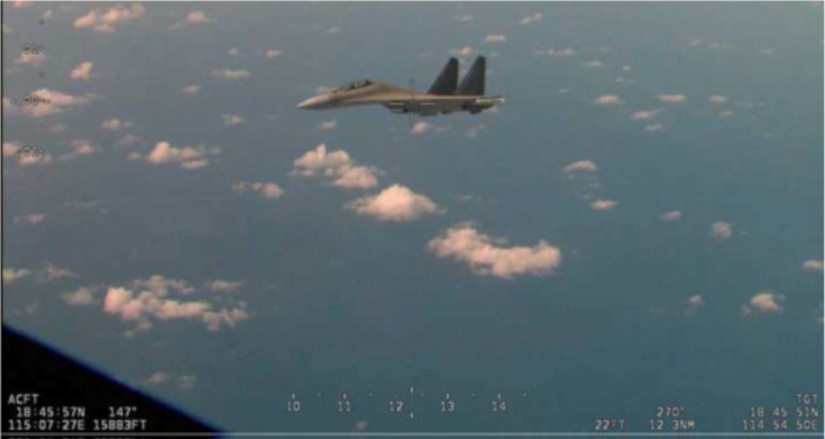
(428, 105)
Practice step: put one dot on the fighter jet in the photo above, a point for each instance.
(444, 96)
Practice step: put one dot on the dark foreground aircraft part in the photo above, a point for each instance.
(47, 392)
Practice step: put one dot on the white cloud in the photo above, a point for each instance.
(583, 176)
(187, 157)
(603, 204)
(420, 127)
(721, 230)
(336, 165)
(145, 305)
(643, 114)
(464, 243)
(11, 275)
(52, 102)
(34, 59)
(173, 309)
(395, 203)
(27, 156)
(687, 307)
(318, 160)
(273, 53)
(10, 148)
(462, 52)
(113, 124)
(158, 378)
(198, 17)
(813, 265)
(61, 99)
(264, 189)
(53, 272)
(105, 20)
(134, 156)
(31, 219)
(149, 301)
(582, 165)
(673, 215)
(10, 106)
(672, 98)
(329, 125)
(717, 99)
(128, 139)
(163, 285)
(495, 38)
(333, 30)
(466, 18)
(233, 51)
(766, 302)
(82, 71)
(356, 177)
(80, 297)
(531, 18)
(223, 286)
(82, 147)
(560, 52)
(226, 317)
(232, 119)
(191, 89)
(195, 164)
(692, 304)
(654, 127)
(183, 382)
(231, 75)
(608, 100)
(116, 299)
(32, 159)
(593, 64)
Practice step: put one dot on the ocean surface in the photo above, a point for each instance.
(713, 110)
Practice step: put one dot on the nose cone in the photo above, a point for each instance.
(314, 103)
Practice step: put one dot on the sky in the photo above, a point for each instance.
(639, 226)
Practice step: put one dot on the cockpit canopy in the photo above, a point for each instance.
(354, 85)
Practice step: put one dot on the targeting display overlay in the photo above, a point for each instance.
(617, 231)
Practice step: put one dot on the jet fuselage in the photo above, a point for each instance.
(444, 97)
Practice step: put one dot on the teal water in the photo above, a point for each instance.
(343, 303)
